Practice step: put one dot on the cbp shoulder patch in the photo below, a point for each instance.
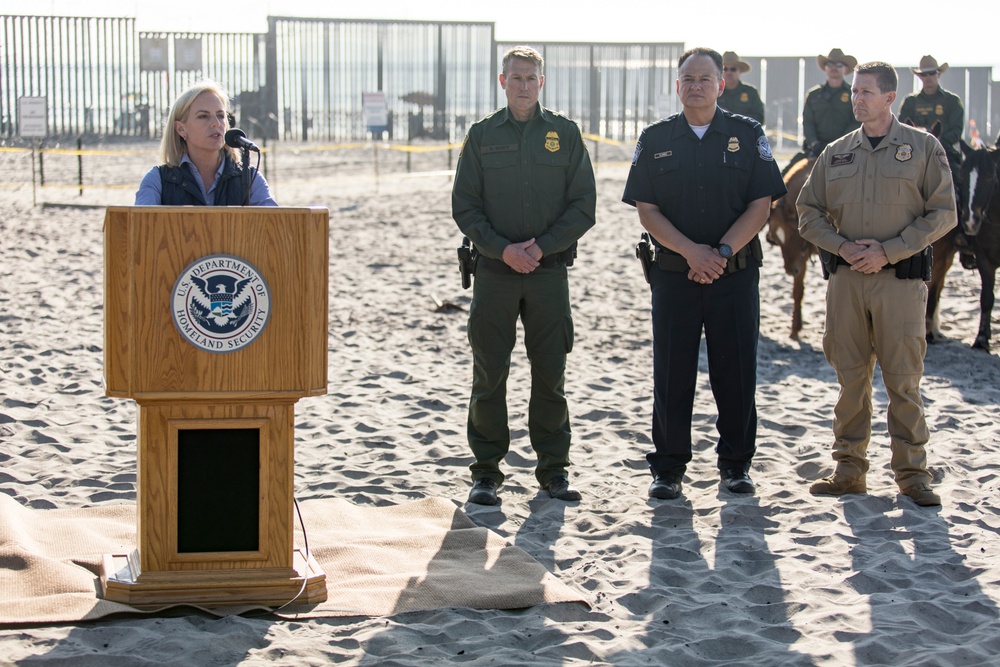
(638, 150)
(838, 159)
(764, 149)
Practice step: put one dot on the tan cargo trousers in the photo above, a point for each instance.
(869, 318)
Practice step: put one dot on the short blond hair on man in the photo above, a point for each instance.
(523, 52)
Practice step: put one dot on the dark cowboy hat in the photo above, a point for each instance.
(929, 64)
(837, 56)
(730, 58)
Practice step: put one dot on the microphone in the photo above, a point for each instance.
(237, 138)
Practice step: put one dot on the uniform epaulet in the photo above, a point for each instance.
(668, 119)
(746, 119)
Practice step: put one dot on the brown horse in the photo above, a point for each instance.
(783, 231)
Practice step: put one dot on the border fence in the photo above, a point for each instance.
(303, 79)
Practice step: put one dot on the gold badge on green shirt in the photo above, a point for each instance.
(744, 97)
(552, 142)
(734, 144)
(904, 152)
(939, 110)
(844, 97)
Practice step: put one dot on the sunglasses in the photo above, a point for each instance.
(927, 73)
(730, 69)
(835, 63)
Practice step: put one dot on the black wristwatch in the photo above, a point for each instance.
(725, 250)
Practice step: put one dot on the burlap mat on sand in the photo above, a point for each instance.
(424, 554)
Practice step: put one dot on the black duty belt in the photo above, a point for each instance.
(564, 258)
(669, 261)
(915, 267)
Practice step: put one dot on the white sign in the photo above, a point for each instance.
(376, 114)
(32, 117)
(187, 54)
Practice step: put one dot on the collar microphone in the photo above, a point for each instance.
(237, 138)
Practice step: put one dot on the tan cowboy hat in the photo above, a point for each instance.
(837, 56)
(730, 58)
(929, 64)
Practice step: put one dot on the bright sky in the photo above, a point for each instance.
(961, 32)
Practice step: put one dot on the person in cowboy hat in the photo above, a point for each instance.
(934, 103)
(739, 97)
(828, 113)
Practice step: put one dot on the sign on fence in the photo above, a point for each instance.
(376, 115)
(32, 117)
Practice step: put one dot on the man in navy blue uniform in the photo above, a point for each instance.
(702, 182)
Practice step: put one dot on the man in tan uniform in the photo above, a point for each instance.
(876, 199)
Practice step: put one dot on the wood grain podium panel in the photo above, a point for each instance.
(182, 388)
(147, 248)
(157, 517)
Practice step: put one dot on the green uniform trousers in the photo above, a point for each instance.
(881, 317)
(541, 300)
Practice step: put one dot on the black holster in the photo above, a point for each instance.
(468, 256)
(828, 261)
(645, 252)
(916, 267)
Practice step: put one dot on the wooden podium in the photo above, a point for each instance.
(215, 324)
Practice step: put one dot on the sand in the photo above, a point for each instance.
(781, 578)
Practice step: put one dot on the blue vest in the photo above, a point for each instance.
(179, 187)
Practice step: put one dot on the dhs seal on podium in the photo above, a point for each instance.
(220, 303)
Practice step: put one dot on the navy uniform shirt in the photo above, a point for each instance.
(704, 185)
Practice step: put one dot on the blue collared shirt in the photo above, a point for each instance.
(150, 191)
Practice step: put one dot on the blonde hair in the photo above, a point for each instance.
(172, 146)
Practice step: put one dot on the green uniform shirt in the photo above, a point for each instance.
(946, 107)
(828, 114)
(514, 183)
(744, 100)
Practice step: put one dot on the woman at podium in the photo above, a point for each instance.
(198, 168)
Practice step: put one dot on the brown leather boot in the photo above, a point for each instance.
(838, 485)
(922, 495)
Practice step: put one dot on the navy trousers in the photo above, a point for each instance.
(728, 311)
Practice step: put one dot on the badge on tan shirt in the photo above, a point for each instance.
(838, 159)
(552, 142)
(904, 152)
(734, 144)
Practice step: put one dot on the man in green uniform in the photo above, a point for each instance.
(524, 193)
(827, 113)
(934, 103)
(875, 200)
(739, 97)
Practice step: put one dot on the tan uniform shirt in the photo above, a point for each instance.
(899, 194)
